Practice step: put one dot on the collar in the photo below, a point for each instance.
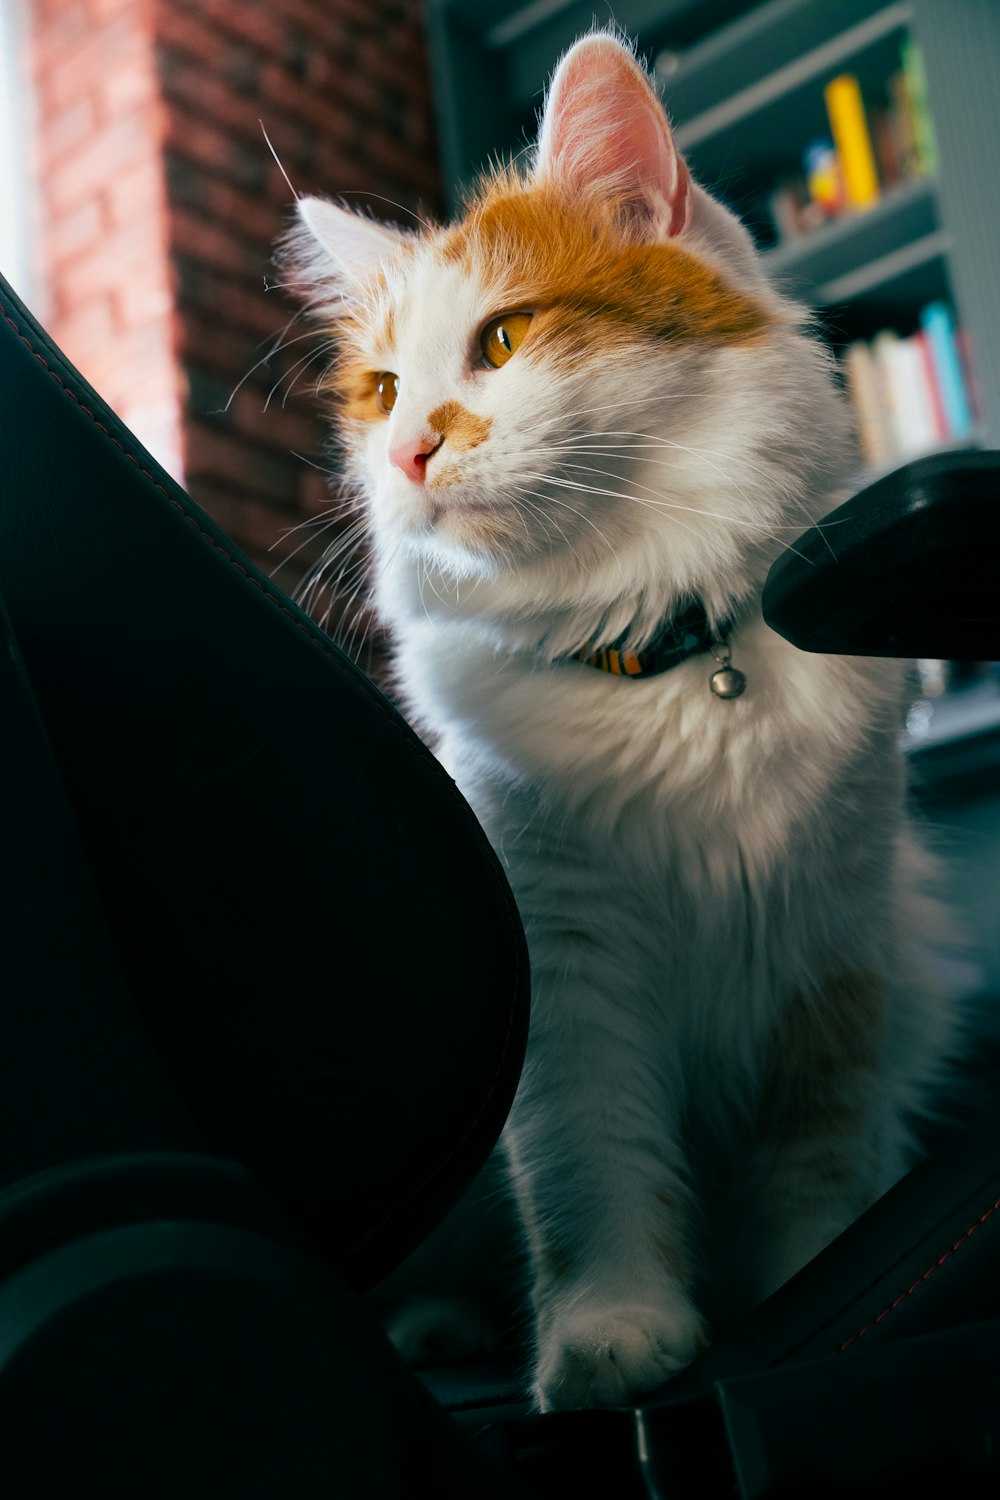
(681, 636)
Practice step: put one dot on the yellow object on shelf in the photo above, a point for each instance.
(852, 140)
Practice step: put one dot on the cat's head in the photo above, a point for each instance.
(583, 395)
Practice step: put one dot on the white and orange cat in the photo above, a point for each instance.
(583, 423)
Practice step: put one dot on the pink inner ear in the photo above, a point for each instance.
(604, 121)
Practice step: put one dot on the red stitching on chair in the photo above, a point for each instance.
(920, 1279)
(411, 741)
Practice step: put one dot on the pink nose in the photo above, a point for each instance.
(411, 456)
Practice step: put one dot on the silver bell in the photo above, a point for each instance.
(727, 682)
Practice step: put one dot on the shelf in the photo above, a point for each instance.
(903, 214)
(886, 261)
(760, 49)
(904, 279)
(954, 715)
(749, 138)
(954, 742)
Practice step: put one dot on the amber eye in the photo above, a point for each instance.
(386, 390)
(503, 337)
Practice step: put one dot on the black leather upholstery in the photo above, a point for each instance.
(319, 941)
(908, 567)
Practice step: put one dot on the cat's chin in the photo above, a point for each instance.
(480, 531)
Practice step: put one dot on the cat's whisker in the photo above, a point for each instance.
(276, 348)
(360, 623)
(711, 462)
(351, 533)
(772, 528)
(336, 512)
(666, 504)
(648, 401)
(325, 570)
(315, 527)
(548, 478)
(303, 363)
(653, 440)
(381, 198)
(589, 489)
(322, 469)
(544, 520)
(430, 581)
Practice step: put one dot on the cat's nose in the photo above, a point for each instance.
(411, 456)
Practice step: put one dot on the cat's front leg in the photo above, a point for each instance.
(599, 1178)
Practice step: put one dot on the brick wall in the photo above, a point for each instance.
(161, 205)
(102, 209)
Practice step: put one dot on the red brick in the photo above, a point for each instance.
(104, 267)
(199, 140)
(222, 455)
(95, 163)
(48, 13)
(74, 233)
(139, 359)
(188, 32)
(85, 331)
(226, 303)
(102, 11)
(139, 302)
(317, 491)
(67, 71)
(213, 245)
(66, 22)
(136, 195)
(281, 427)
(246, 21)
(65, 130)
(231, 350)
(127, 88)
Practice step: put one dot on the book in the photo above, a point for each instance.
(972, 391)
(907, 393)
(824, 180)
(872, 419)
(941, 431)
(784, 205)
(904, 127)
(846, 113)
(916, 90)
(885, 137)
(938, 324)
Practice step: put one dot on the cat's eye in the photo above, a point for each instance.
(386, 390)
(502, 337)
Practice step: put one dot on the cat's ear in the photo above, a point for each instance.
(333, 247)
(603, 126)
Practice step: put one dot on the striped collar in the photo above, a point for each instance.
(683, 635)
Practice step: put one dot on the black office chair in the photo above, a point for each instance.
(243, 1072)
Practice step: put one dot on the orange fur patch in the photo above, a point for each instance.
(354, 385)
(460, 428)
(573, 260)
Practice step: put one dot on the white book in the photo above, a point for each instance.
(904, 382)
(870, 409)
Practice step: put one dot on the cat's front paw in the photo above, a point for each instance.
(610, 1356)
